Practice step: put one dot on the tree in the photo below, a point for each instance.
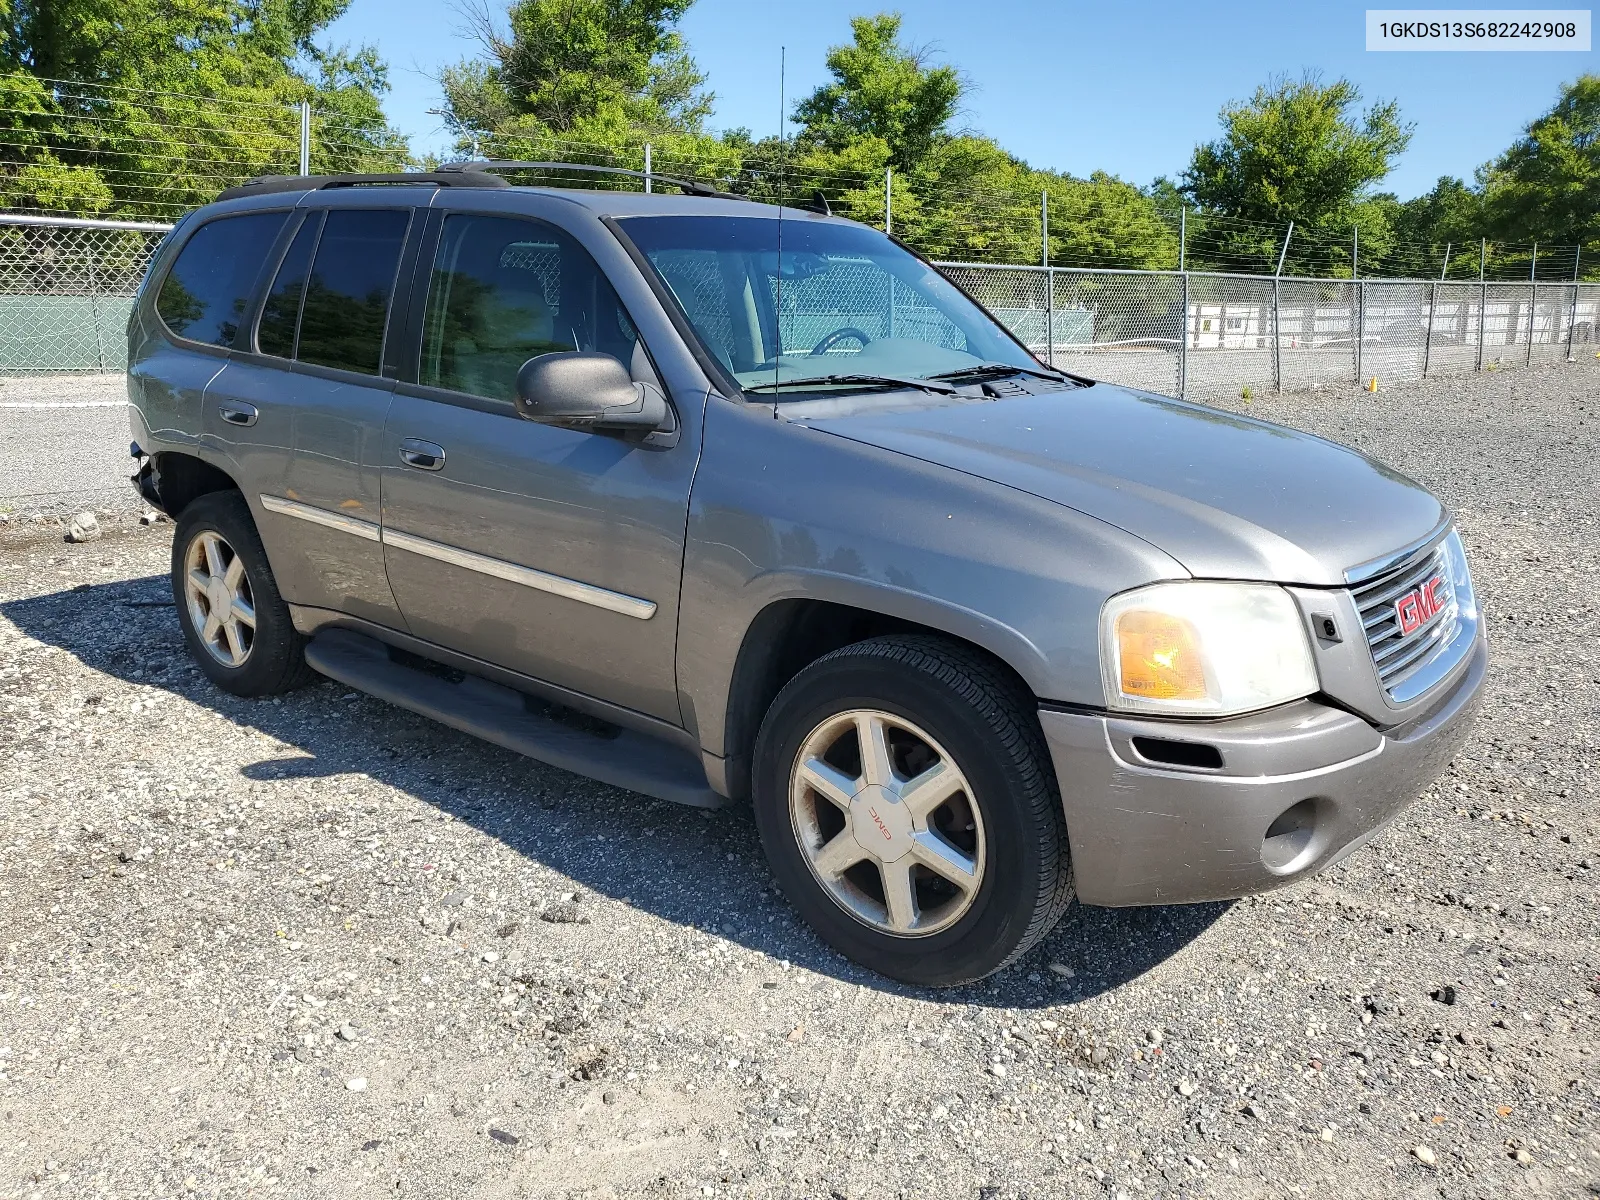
(584, 80)
(1297, 151)
(145, 106)
(1546, 186)
(881, 89)
(957, 194)
(1104, 221)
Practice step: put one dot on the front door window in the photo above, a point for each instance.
(504, 290)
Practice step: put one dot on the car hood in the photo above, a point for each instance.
(1229, 497)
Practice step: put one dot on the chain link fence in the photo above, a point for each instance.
(67, 286)
(1202, 334)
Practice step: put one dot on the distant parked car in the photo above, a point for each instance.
(721, 502)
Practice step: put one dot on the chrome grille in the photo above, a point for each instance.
(1396, 655)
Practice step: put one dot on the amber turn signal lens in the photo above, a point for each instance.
(1160, 657)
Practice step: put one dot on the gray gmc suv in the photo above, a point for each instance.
(720, 502)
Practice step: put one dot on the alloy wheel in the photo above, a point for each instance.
(220, 602)
(887, 822)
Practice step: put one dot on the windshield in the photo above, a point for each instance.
(842, 300)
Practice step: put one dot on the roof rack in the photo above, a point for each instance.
(486, 166)
(266, 184)
(480, 174)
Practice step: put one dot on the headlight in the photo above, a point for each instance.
(1455, 559)
(1204, 649)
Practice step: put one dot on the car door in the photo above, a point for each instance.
(550, 551)
(198, 305)
(300, 409)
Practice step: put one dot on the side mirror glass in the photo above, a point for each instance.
(586, 390)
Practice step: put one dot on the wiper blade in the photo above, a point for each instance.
(996, 368)
(926, 385)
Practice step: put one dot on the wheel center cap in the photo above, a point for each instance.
(880, 823)
(219, 596)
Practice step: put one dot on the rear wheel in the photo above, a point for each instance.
(905, 799)
(236, 624)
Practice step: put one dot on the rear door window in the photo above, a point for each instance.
(348, 292)
(203, 296)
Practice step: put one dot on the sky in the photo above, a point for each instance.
(1124, 87)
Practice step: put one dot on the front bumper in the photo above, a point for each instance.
(1297, 789)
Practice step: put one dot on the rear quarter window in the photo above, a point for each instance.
(203, 296)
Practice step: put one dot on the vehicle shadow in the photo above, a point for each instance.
(688, 866)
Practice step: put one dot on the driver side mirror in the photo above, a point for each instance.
(586, 390)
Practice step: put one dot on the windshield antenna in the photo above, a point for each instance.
(778, 279)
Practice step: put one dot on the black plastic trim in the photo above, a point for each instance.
(264, 185)
(1172, 752)
(499, 714)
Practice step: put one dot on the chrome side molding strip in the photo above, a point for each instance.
(367, 530)
(541, 581)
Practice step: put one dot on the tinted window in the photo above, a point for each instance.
(505, 290)
(347, 296)
(203, 296)
(280, 314)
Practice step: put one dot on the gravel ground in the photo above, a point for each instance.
(319, 946)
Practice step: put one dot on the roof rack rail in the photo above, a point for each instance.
(489, 165)
(263, 185)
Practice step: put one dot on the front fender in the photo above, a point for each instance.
(1011, 646)
(782, 512)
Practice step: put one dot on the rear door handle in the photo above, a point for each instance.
(236, 412)
(425, 456)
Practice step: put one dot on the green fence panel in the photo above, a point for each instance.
(64, 333)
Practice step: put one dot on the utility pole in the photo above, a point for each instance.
(888, 200)
(647, 168)
(1356, 323)
(1533, 303)
(1183, 235)
(1572, 315)
(1483, 297)
(1446, 265)
(1277, 315)
(305, 137)
(1049, 278)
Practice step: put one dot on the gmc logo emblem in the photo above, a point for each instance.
(1416, 609)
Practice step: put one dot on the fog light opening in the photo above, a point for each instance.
(1286, 848)
(1174, 753)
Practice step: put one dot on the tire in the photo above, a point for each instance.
(260, 657)
(1004, 876)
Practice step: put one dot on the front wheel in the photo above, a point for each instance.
(906, 802)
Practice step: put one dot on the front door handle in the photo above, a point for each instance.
(236, 412)
(425, 456)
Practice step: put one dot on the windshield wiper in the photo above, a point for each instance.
(997, 368)
(926, 385)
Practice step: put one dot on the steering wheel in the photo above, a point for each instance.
(837, 336)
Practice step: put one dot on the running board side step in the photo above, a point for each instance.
(502, 715)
